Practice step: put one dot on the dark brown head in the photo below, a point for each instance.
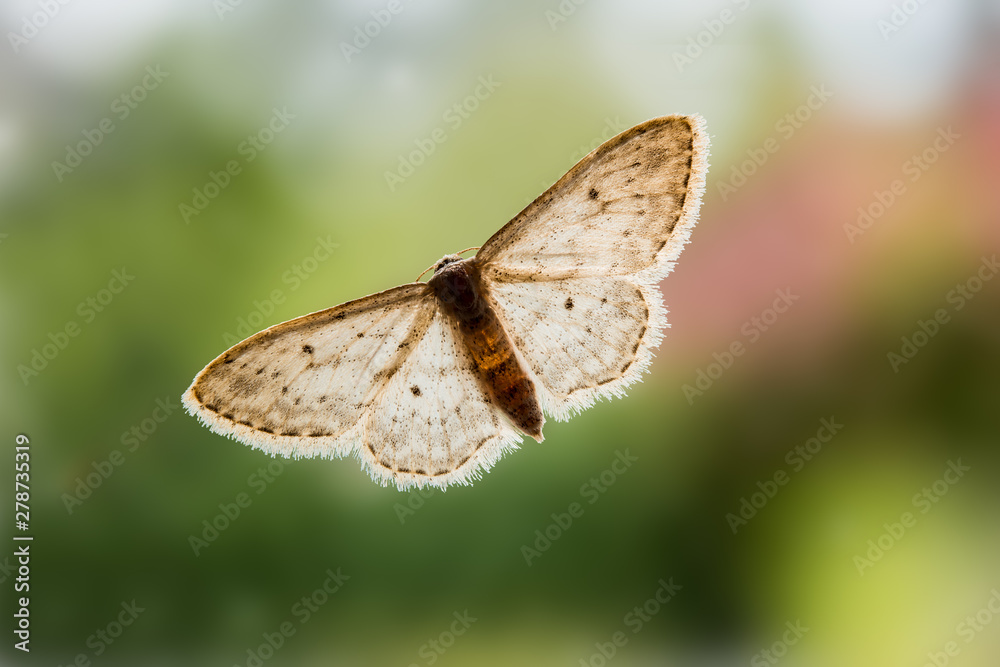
(456, 284)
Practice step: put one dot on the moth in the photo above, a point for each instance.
(431, 383)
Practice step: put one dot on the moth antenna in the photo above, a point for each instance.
(425, 271)
(475, 247)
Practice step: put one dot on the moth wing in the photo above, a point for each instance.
(432, 422)
(302, 388)
(574, 276)
(385, 378)
(626, 209)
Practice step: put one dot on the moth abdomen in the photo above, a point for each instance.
(462, 296)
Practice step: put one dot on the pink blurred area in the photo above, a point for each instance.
(789, 226)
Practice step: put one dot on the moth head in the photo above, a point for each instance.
(445, 261)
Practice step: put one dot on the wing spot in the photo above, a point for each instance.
(308, 349)
(593, 193)
(627, 232)
(212, 407)
(569, 303)
(294, 434)
(284, 390)
(228, 360)
(604, 300)
(416, 390)
(260, 370)
(265, 429)
(297, 401)
(321, 399)
(275, 374)
(361, 334)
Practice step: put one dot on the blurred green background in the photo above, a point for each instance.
(156, 98)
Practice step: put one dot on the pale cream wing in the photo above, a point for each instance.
(582, 338)
(574, 276)
(626, 209)
(302, 388)
(432, 423)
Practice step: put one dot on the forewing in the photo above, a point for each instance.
(627, 208)
(432, 422)
(574, 276)
(301, 388)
